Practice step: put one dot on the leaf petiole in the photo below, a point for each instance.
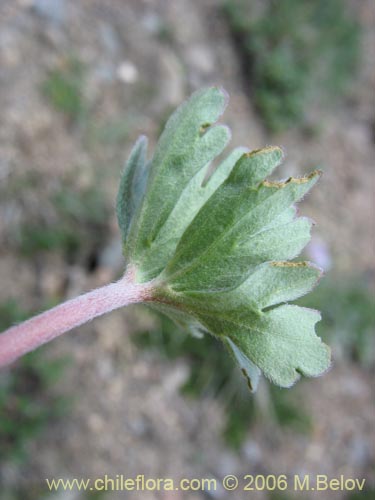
(27, 336)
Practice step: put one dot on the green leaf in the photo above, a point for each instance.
(186, 148)
(284, 346)
(132, 186)
(238, 228)
(280, 341)
(216, 250)
(191, 200)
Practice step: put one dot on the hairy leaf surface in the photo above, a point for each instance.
(217, 251)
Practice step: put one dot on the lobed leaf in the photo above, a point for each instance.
(237, 228)
(217, 251)
(186, 147)
(280, 341)
(191, 200)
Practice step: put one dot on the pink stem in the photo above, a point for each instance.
(29, 335)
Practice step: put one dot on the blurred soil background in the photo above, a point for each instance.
(128, 393)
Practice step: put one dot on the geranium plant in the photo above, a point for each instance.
(213, 252)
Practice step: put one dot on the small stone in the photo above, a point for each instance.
(127, 72)
(252, 452)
